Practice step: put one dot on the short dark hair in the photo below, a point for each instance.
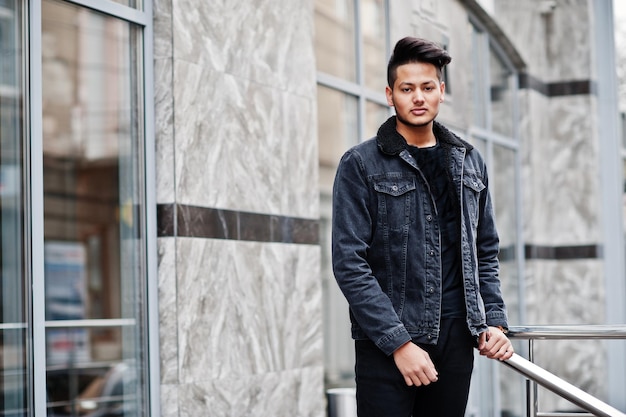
(410, 49)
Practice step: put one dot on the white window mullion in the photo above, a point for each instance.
(154, 361)
(35, 180)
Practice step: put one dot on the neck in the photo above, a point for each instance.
(421, 136)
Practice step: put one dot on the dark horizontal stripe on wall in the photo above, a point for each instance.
(557, 89)
(210, 223)
(563, 252)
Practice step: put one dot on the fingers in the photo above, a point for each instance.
(496, 345)
(482, 339)
(420, 377)
(415, 365)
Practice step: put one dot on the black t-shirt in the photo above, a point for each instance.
(433, 162)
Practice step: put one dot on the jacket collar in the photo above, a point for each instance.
(392, 143)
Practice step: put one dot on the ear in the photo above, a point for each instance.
(389, 95)
(442, 88)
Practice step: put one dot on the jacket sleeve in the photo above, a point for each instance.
(488, 246)
(352, 229)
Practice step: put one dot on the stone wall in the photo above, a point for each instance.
(237, 194)
(564, 282)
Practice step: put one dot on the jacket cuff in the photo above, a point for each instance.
(497, 319)
(390, 343)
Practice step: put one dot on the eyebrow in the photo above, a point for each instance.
(408, 83)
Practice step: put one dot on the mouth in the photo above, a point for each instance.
(418, 112)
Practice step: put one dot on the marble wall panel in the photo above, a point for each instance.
(286, 393)
(168, 311)
(533, 129)
(164, 130)
(169, 401)
(554, 43)
(565, 292)
(265, 41)
(163, 100)
(243, 146)
(163, 36)
(562, 198)
(247, 308)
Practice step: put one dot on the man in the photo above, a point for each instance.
(415, 251)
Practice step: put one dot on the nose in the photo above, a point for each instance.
(418, 97)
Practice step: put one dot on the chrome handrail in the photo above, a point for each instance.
(563, 388)
(550, 381)
(600, 331)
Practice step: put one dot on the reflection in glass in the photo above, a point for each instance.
(335, 38)
(375, 115)
(477, 76)
(14, 366)
(501, 95)
(92, 140)
(502, 186)
(373, 16)
(337, 130)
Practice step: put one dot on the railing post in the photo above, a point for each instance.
(531, 387)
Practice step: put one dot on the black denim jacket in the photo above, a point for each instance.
(386, 241)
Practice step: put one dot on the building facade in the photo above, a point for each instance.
(166, 171)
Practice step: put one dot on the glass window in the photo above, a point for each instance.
(374, 43)
(337, 128)
(351, 107)
(335, 44)
(93, 203)
(14, 332)
(337, 131)
(375, 115)
(492, 86)
(500, 93)
(502, 186)
(494, 134)
(477, 78)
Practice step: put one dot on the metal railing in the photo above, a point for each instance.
(539, 376)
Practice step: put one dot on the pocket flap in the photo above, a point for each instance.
(394, 187)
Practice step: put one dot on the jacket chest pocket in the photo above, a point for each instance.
(472, 187)
(396, 202)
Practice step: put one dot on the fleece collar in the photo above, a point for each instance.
(392, 143)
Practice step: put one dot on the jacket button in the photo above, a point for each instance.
(429, 218)
(395, 188)
(431, 253)
(430, 290)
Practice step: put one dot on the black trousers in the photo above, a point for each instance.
(382, 392)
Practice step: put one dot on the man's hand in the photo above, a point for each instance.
(415, 365)
(495, 345)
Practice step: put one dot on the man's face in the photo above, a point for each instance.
(416, 94)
